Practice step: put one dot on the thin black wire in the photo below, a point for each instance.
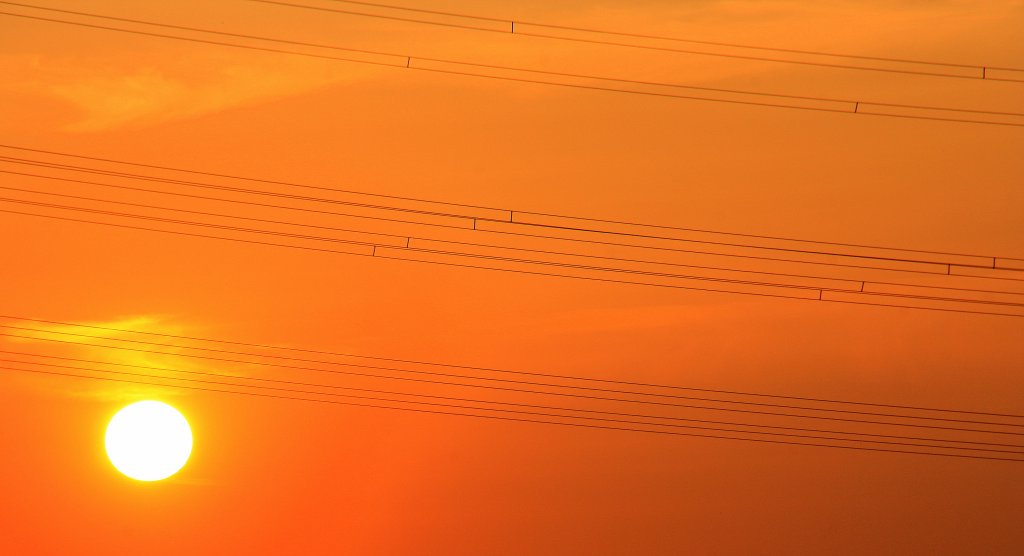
(408, 238)
(462, 205)
(251, 179)
(409, 58)
(405, 57)
(376, 253)
(674, 39)
(497, 258)
(439, 225)
(519, 32)
(528, 406)
(459, 254)
(143, 177)
(402, 57)
(502, 371)
(852, 109)
(320, 385)
(513, 419)
(504, 259)
(247, 218)
(476, 219)
(404, 238)
(966, 274)
(112, 173)
(528, 383)
(859, 108)
(560, 74)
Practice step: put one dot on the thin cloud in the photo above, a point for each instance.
(116, 94)
(69, 344)
(151, 96)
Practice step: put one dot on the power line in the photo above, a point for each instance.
(408, 238)
(567, 265)
(820, 289)
(575, 388)
(252, 179)
(406, 61)
(991, 262)
(515, 28)
(292, 246)
(673, 39)
(463, 205)
(501, 232)
(892, 438)
(514, 419)
(409, 58)
(85, 169)
(453, 242)
(943, 267)
(376, 251)
(502, 371)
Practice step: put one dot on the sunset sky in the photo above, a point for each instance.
(277, 476)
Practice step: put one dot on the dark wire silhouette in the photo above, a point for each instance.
(470, 206)
(940, 266)
(539, 414)
(670, 38)
(516, 28)
(514, 412)
(584, 379)
(472, 400)
(513, 419)
(853, 107)
(531, 384)
(404, 240)
(819, 289)
(381, 252)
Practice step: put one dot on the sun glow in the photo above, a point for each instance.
(148, 441)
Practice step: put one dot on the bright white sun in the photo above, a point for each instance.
(148, 441)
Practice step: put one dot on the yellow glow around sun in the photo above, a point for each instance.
(148, 441)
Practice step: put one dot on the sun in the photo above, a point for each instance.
(148, 441)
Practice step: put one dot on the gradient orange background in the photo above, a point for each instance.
(287, 477)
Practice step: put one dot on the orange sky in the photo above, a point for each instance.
(288, 477)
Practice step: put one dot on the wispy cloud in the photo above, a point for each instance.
(120, 94)
(151, 95)
(78, 350)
